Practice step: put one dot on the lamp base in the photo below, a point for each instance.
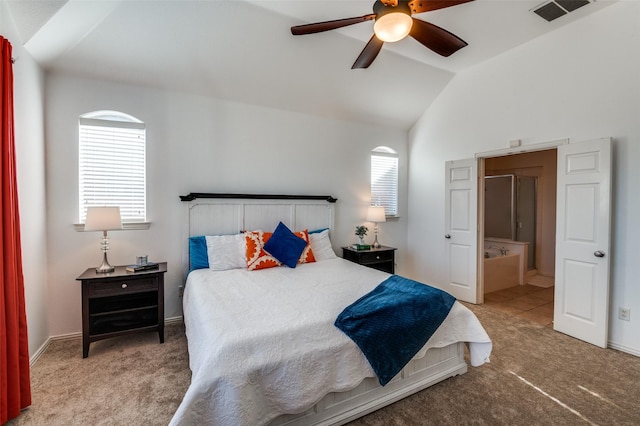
(376, 244)
(105, 267)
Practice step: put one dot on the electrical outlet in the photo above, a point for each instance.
(180, 290)
(624, 314)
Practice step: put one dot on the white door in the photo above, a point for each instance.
(582, 240)
(461, 224)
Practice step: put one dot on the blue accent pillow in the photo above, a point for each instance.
(198, 257)
(285, 246)
(317, 231)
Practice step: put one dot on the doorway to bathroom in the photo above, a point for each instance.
(519, 234)
(583, 229)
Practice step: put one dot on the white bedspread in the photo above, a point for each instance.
(262, 343)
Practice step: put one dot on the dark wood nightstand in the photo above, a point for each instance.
(382, 259)
(120, 303)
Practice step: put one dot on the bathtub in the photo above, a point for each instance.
(501, 272)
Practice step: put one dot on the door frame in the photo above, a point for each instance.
(577, 329)
(480, 157)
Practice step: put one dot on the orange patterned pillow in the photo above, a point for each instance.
(259, 258)
(307, 254)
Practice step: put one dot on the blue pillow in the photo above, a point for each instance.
(198, 257)
(317, 231)
(285, 246)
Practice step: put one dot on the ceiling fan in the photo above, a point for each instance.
(393, 22)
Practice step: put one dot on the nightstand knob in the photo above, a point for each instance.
(378, 257)
(124, 285)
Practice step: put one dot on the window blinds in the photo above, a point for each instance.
(112, 167)
(384, 181)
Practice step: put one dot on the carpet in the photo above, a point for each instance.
(536, 377)
(127, 380)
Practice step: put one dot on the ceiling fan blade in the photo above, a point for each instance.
(435, 38)
(369, 53)
(419, 6)
(319, 27)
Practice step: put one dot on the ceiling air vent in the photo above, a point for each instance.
(556, 8)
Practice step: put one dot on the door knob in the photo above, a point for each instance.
(598, 253)
(447, 236)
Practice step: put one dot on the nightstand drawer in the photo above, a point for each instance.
(374, 257)
(382, 258)
(121, 286)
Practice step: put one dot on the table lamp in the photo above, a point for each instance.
(103, 219)
(376, 214)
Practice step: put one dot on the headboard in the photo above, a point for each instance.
(219, 214)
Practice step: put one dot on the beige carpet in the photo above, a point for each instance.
(129, 380)
(536, 377)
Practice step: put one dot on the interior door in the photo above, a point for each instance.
(583, 241)
(461, 224)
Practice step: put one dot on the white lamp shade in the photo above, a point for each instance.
(393, 26)
(103, 219)
(376, 214)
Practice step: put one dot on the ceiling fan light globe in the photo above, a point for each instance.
(393, 26)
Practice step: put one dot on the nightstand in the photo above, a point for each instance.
(382, 259)
(121, 303)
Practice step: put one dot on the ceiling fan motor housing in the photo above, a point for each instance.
(380, 9)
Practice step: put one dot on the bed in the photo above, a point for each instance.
(263, 345)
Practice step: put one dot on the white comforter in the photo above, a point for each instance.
(262, 343)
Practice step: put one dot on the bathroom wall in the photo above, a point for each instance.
(541, 164)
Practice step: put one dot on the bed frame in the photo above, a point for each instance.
(211, 214)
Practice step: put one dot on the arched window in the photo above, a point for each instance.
(112, 164)
(384, 179)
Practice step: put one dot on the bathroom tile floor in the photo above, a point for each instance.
(525, 301)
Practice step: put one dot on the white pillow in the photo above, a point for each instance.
(226, 252)
(321, 245)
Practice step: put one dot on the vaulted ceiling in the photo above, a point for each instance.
(244, 51)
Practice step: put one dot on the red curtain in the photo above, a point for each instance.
(15, 387)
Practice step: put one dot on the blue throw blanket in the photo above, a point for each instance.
(393, 322)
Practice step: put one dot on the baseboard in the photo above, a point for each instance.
(173, 320)
(39, 352)
(78, 335)
(623, 348)
(45, 345)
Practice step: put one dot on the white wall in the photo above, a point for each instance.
(29, 139)
(580, 82)
(199, 144)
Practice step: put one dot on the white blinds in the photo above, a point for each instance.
(384, 181)
(112, 167)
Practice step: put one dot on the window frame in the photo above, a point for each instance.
(389, 201)
(128, 132)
